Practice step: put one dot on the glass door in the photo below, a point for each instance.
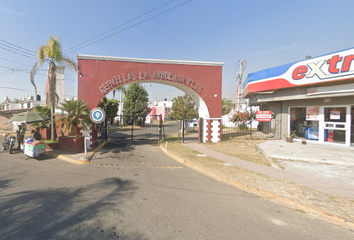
(337, 124)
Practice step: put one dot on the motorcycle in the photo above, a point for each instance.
(9, 143)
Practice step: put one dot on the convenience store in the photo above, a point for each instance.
(314, 97)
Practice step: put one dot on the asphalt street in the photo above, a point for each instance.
(137, 192)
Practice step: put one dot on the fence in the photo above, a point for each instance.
(150, 129)
(253, 130)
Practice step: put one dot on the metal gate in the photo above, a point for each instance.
(151, 129)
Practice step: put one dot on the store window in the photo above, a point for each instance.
(305, 121)
(335, 119)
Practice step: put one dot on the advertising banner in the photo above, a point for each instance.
(263, 116)
(327, 68)
(312, 113)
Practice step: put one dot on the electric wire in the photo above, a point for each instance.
(134, 25)
(18, 46)
(17, 52)
(119, 26)
(27, 53)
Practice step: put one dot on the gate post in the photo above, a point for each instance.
(183, 129)
(105, 128)
(160, 127)
(132, 121)
(200, 133)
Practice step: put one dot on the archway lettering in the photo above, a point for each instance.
(123, 78)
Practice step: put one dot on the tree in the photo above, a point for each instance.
(227, 105)
(16, 100)
(52, 54)
(182, 107)
(135, 103)
(110, 106)
(45, 110)
(243, 118)
(122, 89)
(77, 114)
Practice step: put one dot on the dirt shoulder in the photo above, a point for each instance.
(306, 200)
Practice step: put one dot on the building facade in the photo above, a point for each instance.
(313, 97)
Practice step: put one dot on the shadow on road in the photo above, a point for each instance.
(66, 213)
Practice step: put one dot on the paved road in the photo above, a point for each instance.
(137, 192)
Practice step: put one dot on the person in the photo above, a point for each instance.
(36, 135)
(7, 141)
(20, 135)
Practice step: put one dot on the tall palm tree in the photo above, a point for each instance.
(76, 114)
(52, 54)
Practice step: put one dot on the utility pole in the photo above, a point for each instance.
(238, 77)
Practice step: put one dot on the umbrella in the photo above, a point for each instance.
(29, 117)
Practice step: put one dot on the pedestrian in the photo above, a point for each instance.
(36, 135)
(20, 135)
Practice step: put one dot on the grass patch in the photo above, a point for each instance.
(241, 148)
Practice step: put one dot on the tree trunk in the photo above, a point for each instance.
(52, 90)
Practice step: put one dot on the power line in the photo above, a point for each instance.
(10, 61)
(18, 89)
(134, 25)
(119, 25)
(24, 66)
(17, 52)
(18, 46)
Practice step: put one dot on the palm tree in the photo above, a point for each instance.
(45, 110)
(77, 114)
(51, 53)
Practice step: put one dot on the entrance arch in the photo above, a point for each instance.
(202, 81)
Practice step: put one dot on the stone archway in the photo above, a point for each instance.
(202, 81)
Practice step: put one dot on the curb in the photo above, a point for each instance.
(97, 149)
(270, 160)
(67, 159)
(270, 196)
(76, 161)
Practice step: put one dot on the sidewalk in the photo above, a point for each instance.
(277, 149)
(76, 158)
(295, 151)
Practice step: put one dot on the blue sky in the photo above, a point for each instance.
(264, 33)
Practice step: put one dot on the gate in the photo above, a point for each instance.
(151, 129)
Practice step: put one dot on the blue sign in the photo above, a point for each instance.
(97, 115)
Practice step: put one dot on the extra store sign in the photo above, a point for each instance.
(332, 67)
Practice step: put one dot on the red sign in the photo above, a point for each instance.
(334, 67)
(263, 116)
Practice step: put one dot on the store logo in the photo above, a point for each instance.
(334, 69)
(97, 115)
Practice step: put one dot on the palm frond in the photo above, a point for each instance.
(76, 115)
(32, 74)
(69, 63)
(42, 53)
(54, 51)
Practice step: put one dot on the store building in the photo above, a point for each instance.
(314, 97)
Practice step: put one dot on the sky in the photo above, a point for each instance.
(265, 33)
